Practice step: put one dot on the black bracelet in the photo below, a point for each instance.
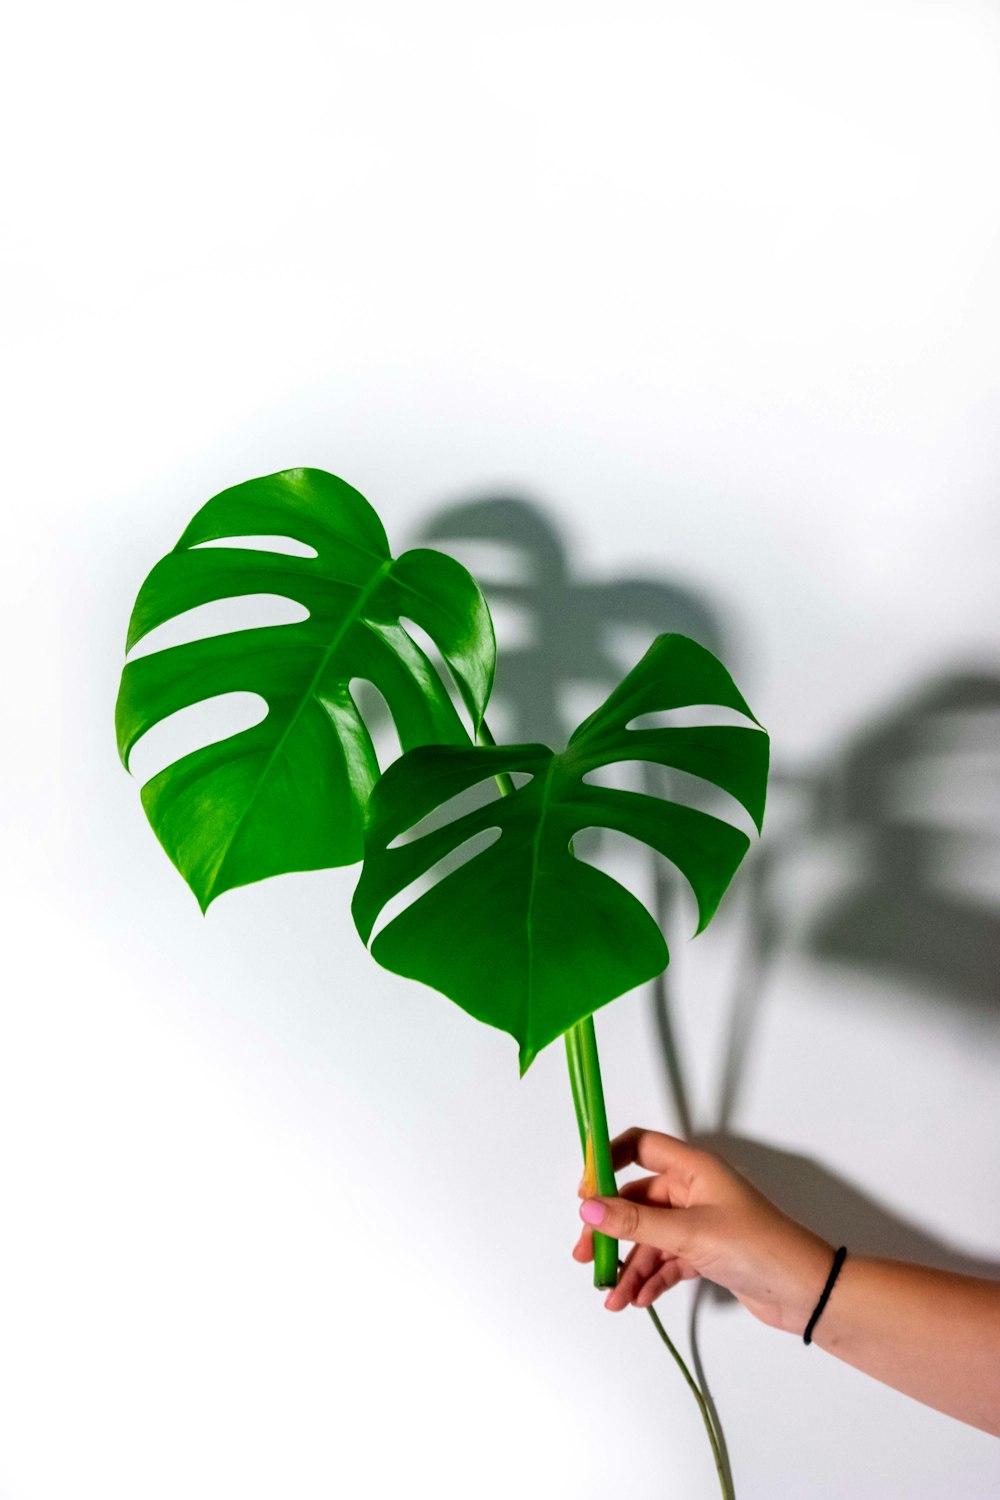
(838, 1261)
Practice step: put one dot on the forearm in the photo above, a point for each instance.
(933, 1335)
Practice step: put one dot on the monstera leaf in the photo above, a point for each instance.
(526, 936)
(290, 793)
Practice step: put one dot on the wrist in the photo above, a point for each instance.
(810, 1263)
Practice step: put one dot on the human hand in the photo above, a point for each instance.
(697, 1216)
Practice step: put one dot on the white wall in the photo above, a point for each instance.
(716, 288)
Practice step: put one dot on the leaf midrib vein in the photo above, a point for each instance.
(349, 619)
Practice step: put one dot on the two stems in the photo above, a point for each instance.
(599, 1178)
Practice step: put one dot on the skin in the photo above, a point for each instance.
(934, 1335)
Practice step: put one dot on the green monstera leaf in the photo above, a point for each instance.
(290, 792)
(526, 936)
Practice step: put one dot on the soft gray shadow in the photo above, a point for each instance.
(576, 631)
(842, 1213)
(911, 911)
(899, 916)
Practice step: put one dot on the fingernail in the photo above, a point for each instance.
(593, 1211)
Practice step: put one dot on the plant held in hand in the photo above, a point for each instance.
(526, 936)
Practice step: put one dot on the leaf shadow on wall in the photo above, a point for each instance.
(912, 796)
(899, 916)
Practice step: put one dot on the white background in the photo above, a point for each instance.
(716, 287)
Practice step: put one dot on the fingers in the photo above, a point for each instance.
(648, 1190)
(645, 1190)
(668, 1275)
(653, 1150)
(672, 1230)
(640, 1264)
(650, 1211)
(583, 1250)
(652, 1189)
(645, 1275)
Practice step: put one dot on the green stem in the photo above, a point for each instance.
(727, 1490)
(502, 778)
(605, 1248)
(575, 1064)
(699, 1375)
(592, 1122)
(588, 1095)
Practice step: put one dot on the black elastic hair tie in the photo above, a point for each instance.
(838, 1261)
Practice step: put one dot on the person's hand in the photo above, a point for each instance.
(696, 1216)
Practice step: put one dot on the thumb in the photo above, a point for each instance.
(672, 1230)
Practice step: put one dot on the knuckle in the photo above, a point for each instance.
(714, 1168)
(627, 1218)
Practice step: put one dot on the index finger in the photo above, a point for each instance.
(653, 1150)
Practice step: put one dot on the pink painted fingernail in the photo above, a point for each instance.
(592, 1212)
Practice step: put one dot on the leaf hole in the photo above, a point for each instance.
(456, 807)
(673, 786)
(428, 646)
(193, 728)
(644, 872)
(289, 545)
(377, 716)
(693, 716)
(420, 638)
(220, 617)
(453, 861)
